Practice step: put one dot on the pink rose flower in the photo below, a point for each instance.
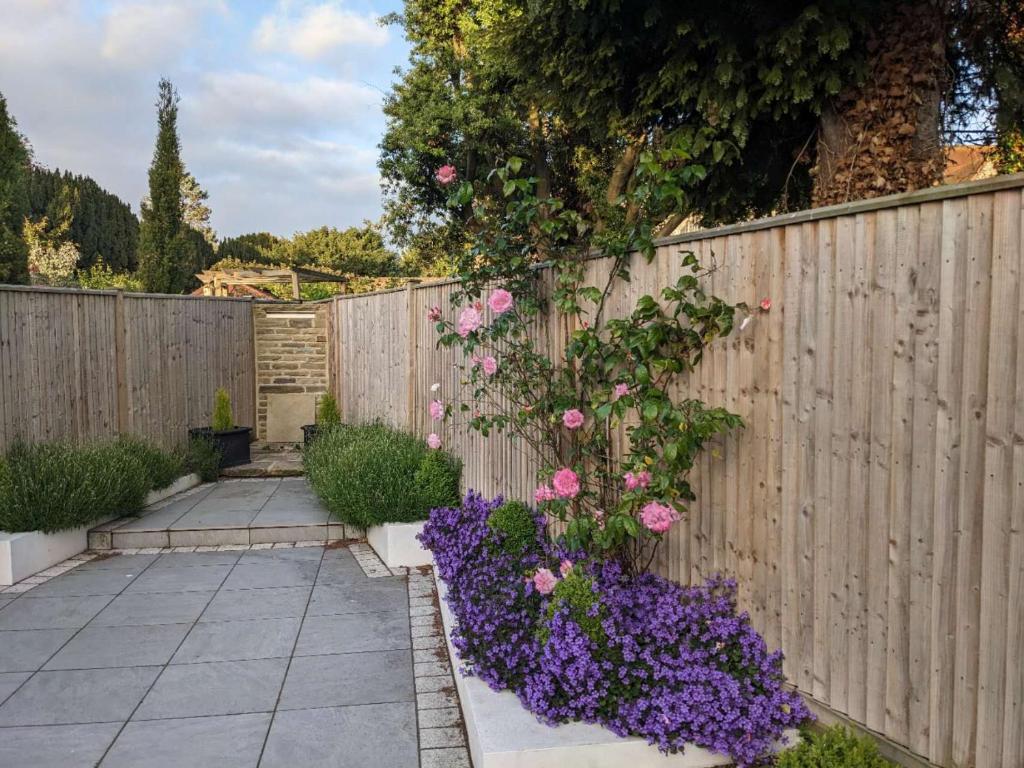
(500, 301)
(636, 480)
(433, 441)
(544, 493)
(566, 483)
(766, 304)
(573, 418)
(436, 409)
(434, 314)
(469, 320)
(565, 568)
(544, 580)
(490, 365)
(446, 175)
(621, 390)
(658, 517)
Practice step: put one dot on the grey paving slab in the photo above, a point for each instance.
(232, 741)
(344, 737)
(83, 583)
(247, 496)
(340, 571)
(216, 688)
(26, 650)
(4, 601)
(159, 518)
(56, 746)
(292, 512)
(269, 603)
(184, 559)
(134, 646)
(138, 609)
(199, 519)
(52, 612)
(365, 596)
(199, 578)
(279, 573)
(346, 679)
(9, 682)
(114, 562)
(238, 640)
(309, 554)
(78, 696)
(353, 633)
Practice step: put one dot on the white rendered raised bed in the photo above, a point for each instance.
(26, 554)
(397, 546)
(502, 734)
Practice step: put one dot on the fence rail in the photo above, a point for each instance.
(84, 364)
(873, 507)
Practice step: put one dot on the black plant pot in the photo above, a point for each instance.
(233, 444)
(309, 433)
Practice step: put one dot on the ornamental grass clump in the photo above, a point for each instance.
(587, 640)
(374, 474)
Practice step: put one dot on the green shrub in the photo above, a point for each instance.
(373, 474)
(576, 591)
(163, 468)
(204, 459)
(327, 414)
(834, 747)
(54, 486)
(515, 521)
(222, 419)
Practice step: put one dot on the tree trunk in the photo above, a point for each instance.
(883, 136)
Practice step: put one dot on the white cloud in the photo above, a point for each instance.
(144, 32)
(312, 31)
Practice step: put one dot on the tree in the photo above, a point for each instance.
(354, 250)
(162, 254)
(195, 211)
(251, 248)
(14, 206)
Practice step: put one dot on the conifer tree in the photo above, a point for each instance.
(14, 164)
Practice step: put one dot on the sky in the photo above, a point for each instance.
(280, 112)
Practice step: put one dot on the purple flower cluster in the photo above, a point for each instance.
(668, 663)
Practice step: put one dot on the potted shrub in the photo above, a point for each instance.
(232, 442)
(327, 416)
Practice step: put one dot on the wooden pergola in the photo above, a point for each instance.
(217, 281)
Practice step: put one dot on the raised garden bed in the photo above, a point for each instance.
(396, 544)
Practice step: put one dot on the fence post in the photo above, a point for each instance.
(410, 356)
(121, 356)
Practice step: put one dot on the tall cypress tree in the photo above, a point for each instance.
(160, 243)
(14, 204)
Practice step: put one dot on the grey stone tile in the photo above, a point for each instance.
(279, 573)
(367, 596)
(217, 688)
(56, 746)
(270, 603)
(124, 563)
(78, 696)
(200, 578)
(237, 640)
(232, 741)
(353, 633)
(139, 539)
(440, 718)
(350, 678)
(138, 609)
(4, 601)
(9, 682)
(344, 737)
(78, 583)
(163, 516)
(209, 537)
(288, 533)
(27, 650)
(340, 571)
(52, 612)
(96, 647)
(186, 559)
(293, 510)
(205, 517)
(433, 738)
(292, 554)
(445, 758)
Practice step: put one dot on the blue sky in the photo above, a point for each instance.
(280, 100)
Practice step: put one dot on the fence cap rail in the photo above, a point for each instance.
(114, 292)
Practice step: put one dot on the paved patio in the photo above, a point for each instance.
(265, 657)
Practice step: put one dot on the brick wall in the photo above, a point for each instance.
(291, 356)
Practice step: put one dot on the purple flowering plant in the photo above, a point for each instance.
(635, 653)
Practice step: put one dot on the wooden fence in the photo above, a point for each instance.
(873, 507)
(83, 364)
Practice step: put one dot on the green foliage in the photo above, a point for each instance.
(253, 248)
(514, 522)
(203, 458)
(354, 250)
(368, 475)
(576, 592)
(101, 277)
(327, 414)
(834, 747)
(438, 480)
(14, 203)
(222, 419)
(55, 486)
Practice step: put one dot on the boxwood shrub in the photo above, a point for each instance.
(54, 486)
(834, 747)
(372, 474)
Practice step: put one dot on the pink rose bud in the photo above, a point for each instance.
(446, 175)
(565, 568)
(621, 390)
(434, 314)
(766, 304)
